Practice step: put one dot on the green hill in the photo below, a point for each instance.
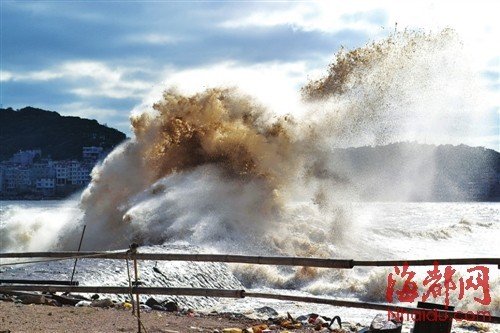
(59, 136)
(416, 172)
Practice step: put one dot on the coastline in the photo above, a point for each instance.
(16, 317)
(28, 318)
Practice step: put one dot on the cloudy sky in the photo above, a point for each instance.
(102, 59)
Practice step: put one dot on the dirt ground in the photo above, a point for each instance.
(42, 318)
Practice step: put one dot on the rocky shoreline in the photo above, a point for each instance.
(36, 312)
(29, 312)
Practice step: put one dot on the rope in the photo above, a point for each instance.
(57, 259)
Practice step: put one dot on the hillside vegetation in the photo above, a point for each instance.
(59, 137)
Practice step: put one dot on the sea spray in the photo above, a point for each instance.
(221, 144)
(27, 228)
(220, 170)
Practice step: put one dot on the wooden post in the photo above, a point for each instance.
(138, 307)
(133, 250)
(79, 247)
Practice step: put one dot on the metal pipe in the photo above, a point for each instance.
(125, 290)
(55, 282)
(286, 261)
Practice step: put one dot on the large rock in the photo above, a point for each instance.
(102, 303)
(32, 299)
(152, 302)
(171, 306)
(66, 300)
(37, 299)
(267, 311)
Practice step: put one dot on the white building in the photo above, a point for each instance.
(17, 178)
(62, 173)
(43, 169)
(80, 175)
(26, 157)
(71, 172)
(45, 184)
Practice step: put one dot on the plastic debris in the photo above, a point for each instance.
(127, 305)
(232, 330)
(381, 324)
(83, 303)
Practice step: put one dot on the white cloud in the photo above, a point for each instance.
(325, 16)
(476, 22)
(80, 109)
(89, 78)
(153, 38)
(44, 75)
(275, 85)
(5, 76)
(333, 16)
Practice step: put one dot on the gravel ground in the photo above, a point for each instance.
(16, 317)
(42, 318)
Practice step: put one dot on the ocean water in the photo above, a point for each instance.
(383, 231)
